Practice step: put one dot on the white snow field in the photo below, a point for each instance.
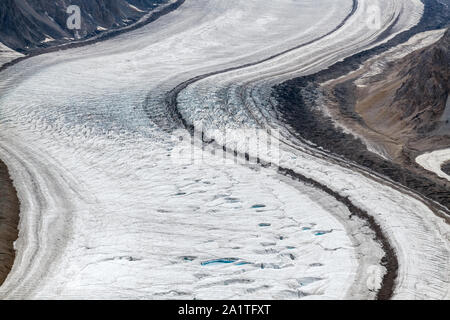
(433, 161)
(108, 211)
(7, 54)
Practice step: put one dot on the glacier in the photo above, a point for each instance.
(106, 212)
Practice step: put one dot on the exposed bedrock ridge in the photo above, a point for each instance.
(446, 168)
(9, 219)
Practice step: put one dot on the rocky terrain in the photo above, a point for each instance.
(29, 24)
(446, 168)
(9, 218)
(407, 101)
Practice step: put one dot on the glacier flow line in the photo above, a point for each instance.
(147, 19)
(389, 261)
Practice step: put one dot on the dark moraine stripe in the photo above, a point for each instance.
(9, 220)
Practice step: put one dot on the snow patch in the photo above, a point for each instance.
(433, 161)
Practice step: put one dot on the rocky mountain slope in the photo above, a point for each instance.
(446, 168)
(425, 86)
(9, 219)
(29, 24)
(408, 101)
